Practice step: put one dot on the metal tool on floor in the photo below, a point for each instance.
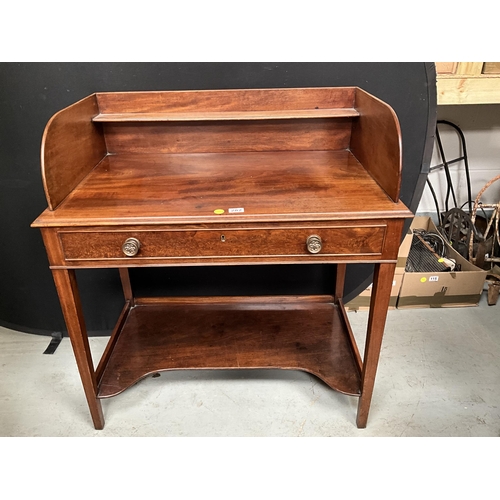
(486, 253)
(428, 254)
(457, 225)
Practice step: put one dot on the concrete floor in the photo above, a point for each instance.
(439, 375)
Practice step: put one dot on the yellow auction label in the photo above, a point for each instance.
(441, 259)
(219, 211)
(423, 280)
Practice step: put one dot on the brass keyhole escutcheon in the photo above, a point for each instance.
(222, 238)
(314, 244)
(131, 247)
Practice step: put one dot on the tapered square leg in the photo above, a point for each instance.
(339, 281)
(379, 304)
(69, 297)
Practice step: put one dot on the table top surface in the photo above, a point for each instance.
(247, 187)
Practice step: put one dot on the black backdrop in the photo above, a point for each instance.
(30, 93)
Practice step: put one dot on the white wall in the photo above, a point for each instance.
(481, 127)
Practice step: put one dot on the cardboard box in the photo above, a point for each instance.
(441, 289)
(404, 251)
(362, 301)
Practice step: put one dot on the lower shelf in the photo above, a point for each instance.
(309, 334)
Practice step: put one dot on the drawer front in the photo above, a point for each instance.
(225, 243)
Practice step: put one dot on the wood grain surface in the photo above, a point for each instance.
(228, 242)
(228, 136)
(376, 142)
(194, 116)
(71, 147)
(154, 189)
(307, 336)
(202, 101)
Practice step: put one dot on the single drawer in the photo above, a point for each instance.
(226, 243)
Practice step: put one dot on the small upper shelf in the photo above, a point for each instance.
(226, 115)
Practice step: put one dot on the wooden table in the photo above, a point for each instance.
(224, 177)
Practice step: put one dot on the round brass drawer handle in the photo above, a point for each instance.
(131, 247)
(313, 244)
